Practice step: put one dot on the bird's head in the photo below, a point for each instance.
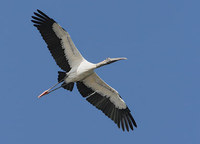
(109, 61)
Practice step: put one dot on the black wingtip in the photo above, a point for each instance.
(126, 124)
(40, 19)
(39, 11)
(42, 13)
(134, 123)
(122, 124)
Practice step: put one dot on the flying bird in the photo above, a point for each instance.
(78, 70)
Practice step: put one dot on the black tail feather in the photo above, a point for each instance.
(61, 76)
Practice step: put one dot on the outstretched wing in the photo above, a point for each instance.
(106, 99)
(58, 41)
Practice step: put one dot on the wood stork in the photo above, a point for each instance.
(78, 70)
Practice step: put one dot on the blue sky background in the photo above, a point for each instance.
(160, 81)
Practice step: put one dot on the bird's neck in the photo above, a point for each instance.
(105, 62)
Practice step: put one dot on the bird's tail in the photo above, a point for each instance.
(61, 77)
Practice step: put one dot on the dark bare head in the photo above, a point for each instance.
(108, 61)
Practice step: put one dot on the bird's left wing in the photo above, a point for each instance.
(58, 41)
(106, 99)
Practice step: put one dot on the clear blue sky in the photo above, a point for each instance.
(160, 81)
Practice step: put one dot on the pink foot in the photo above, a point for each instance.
(44, 93)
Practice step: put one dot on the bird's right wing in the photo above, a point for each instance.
(106, 99)
(58, 41)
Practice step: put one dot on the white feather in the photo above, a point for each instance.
(98, 85)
